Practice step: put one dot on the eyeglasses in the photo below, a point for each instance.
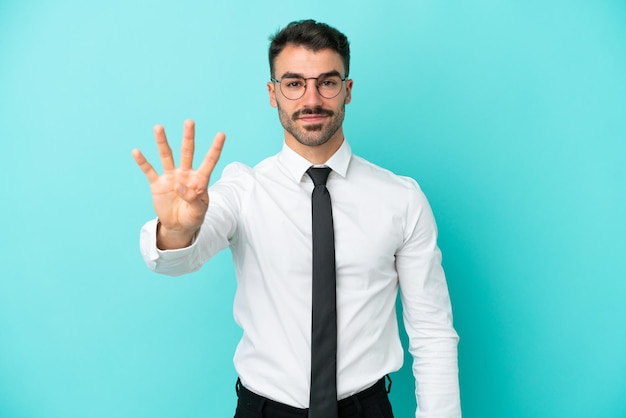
(293, 88)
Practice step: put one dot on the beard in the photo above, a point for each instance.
(312, 134)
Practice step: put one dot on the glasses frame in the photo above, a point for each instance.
(317, 87)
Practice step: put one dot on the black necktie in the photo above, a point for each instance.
(323, 400)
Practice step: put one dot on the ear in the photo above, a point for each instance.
(348, 91)
(271, 89)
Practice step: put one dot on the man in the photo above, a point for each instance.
(381, 227)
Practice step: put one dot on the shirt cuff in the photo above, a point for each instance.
(153, 256)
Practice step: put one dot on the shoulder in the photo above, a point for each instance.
(234, 173)
(236, 178)
(384, 179)
(238, 169)
(401, 194)
(391, 195)
(237, 173)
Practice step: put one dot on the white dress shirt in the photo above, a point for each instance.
(385, 236)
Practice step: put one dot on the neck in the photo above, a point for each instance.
(316, 154)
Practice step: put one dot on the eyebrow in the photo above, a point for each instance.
(327, 74)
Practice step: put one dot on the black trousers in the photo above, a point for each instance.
(370, 403)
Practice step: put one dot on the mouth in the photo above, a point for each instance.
(317, 118)
(314, 115)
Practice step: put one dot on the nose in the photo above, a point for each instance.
(311, 96)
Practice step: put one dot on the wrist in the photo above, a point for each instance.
(173, 238)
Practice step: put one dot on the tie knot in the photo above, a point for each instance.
(319, 175)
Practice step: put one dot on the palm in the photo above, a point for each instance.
(179, 194)
(171, 208)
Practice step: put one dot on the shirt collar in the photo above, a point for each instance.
(297, 165)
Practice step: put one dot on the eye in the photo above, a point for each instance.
(328, 82)
(292, 83)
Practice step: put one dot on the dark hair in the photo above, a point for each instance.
(311, 35)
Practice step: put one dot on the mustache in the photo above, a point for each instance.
(317, 110)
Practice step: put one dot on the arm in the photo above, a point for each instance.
(428, 315)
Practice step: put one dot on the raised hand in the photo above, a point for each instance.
(179, 195)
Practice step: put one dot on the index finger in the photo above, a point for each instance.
(212, 156)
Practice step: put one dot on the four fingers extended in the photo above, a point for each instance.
(187, 151)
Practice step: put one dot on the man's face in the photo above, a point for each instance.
(311, 120)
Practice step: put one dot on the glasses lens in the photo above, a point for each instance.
(292, 87)
(329, 86)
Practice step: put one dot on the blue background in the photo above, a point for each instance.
(511, 115)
